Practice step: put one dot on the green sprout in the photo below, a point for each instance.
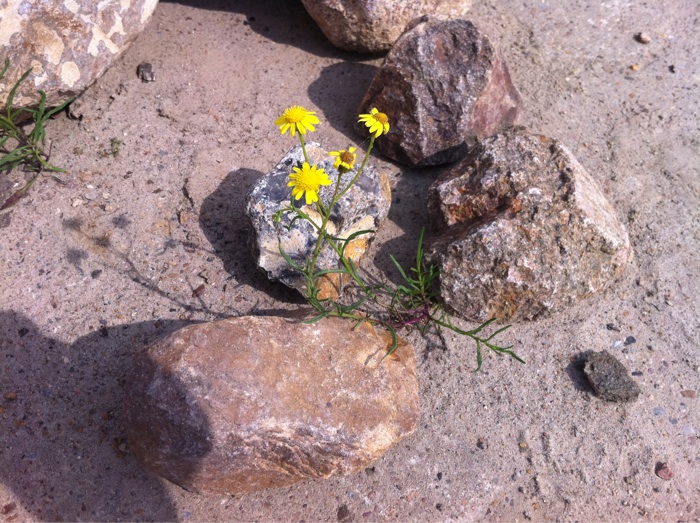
(18, 147)
(411, 305)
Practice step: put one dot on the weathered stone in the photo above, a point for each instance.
(250, 403)
(443, 86)
(609, 377)
(364, 207)
(372, 26)
(522, 230)
(68, 44)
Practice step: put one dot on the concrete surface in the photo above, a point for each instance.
(126, 247)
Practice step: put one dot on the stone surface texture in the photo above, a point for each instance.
(522, 230)
(249, 403)
(364, 207)
(372, 26)
(609, 377)
(443, 86)
(67, 43)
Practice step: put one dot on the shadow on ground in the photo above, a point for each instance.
(228, 229)
(281, 21)
(63, 450)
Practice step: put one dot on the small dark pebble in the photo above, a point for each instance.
(629, 340)
(438, 506)
(609, 377)
(344, 514)
(96, 273)
(637, 373)
(23, 332)
(672, 68)
(612, 327)
(481, 443)
(439, 475)
(663, 471)
(145, 72)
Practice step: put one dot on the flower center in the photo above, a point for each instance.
(295, 114)
(381, 118)
(347, 157)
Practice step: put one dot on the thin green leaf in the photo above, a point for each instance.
(479, 359)
(318, 318)
(288, 259)
(394, 344)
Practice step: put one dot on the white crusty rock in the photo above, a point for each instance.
(372, 26)
(249, 403)
(364, 207)
(68, 44)
(521, 230)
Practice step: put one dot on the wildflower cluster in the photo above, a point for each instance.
(412, 305)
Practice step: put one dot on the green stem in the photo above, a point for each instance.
(303, 147)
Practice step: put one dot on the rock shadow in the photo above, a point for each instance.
(338, 91)
(576, 373)
(410, 213)
(64, 452)
(224, 222)
(281, 21)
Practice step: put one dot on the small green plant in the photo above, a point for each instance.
(411, 305)
(19, 148)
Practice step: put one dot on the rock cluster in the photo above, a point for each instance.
(249, 403)
(520, 229)
(364, 207)
(372, 26)
(443, 86)
(68, 44)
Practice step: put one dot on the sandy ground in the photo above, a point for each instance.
(104, 259)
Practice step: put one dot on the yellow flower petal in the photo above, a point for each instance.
(307, 180)
(376, 122)
(296, 118)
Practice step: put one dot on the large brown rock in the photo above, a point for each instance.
(372, 26)
(443, 86)
(363, 208)
(67, 43)
(522, 230)
(250, 403)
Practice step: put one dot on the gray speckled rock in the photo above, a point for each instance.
(609, 377)
(250, 403)
(443, 86)
(68, 43)
(372, 26)
(522, 230)
(364, 207)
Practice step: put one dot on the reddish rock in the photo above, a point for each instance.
(522, 230)
(372, 26)
(444, 87)
(67, 43)
(664, 471)
(250, 403)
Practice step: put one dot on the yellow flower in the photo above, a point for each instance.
(344, 160)
(297, 118)
(378, 123)
(307, 180)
